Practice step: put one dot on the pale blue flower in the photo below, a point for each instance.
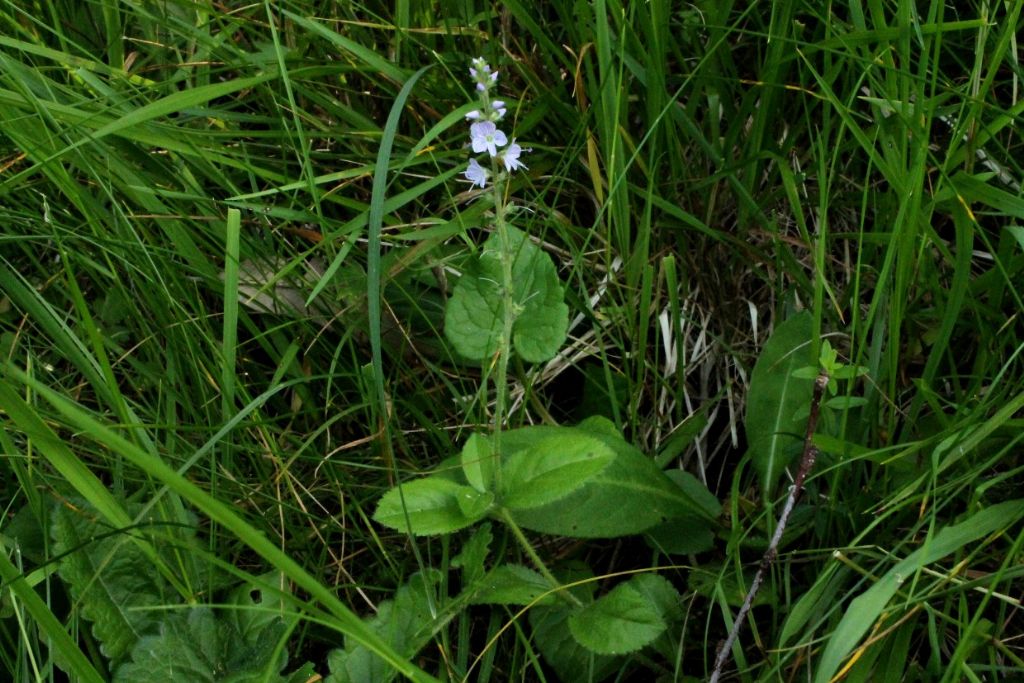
(482, 74)
(485, 136)
(476, 174)
(496, 113)
(510, 157)
(479, 64)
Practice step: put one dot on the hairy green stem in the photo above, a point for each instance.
(506, 517)
(508, 319)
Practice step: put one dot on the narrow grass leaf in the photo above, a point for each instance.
(867, 608)
(229, 338)
(66, 652)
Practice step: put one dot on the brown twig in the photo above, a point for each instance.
(806, 463)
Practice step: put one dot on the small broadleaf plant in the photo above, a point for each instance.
(584, 481)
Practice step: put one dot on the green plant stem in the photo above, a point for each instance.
(509, 317)
(506, 517)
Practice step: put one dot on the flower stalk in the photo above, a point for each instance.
(504, 157)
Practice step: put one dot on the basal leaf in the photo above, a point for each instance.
(846, 402)
(599, 424)
(196, 646)
(405, 622)
(570, 660)
(553, 466)
(478, 462)
(512, 584)
(776, 396)
(549, 625)
(627, 497)
(433, 505)
(681, 536)
(256, 609)
(697, 492)
(475, 311)
(660, 592)
(667, 600)
(111, 581)
(237, 644)
(620, 622)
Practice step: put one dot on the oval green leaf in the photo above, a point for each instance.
(432, 505)
(478, 462)
(476, 309)
(627, 497)
(622, 621)
(513, 584)
(774, 423)
(561, 461)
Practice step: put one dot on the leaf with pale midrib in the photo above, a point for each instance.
(776, 397)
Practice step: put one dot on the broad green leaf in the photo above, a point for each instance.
(195, 646)
(549, 625)
(806, 372)
(599, 424)
(431, 505)
(775, 398)
(848, 372)
(660, 592)
(696, 491)
(111, 580)
(689, 533)
(667, 600)
(681, 536)
(628, 496)
(620, 622)
(475, 312)
(570, 660)
(513, 584)
(256, 608)
(405, 622)
(555, 465)
(24, 531)
(864, 610)
(478, 462)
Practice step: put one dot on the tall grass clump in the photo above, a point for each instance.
(308, 373)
